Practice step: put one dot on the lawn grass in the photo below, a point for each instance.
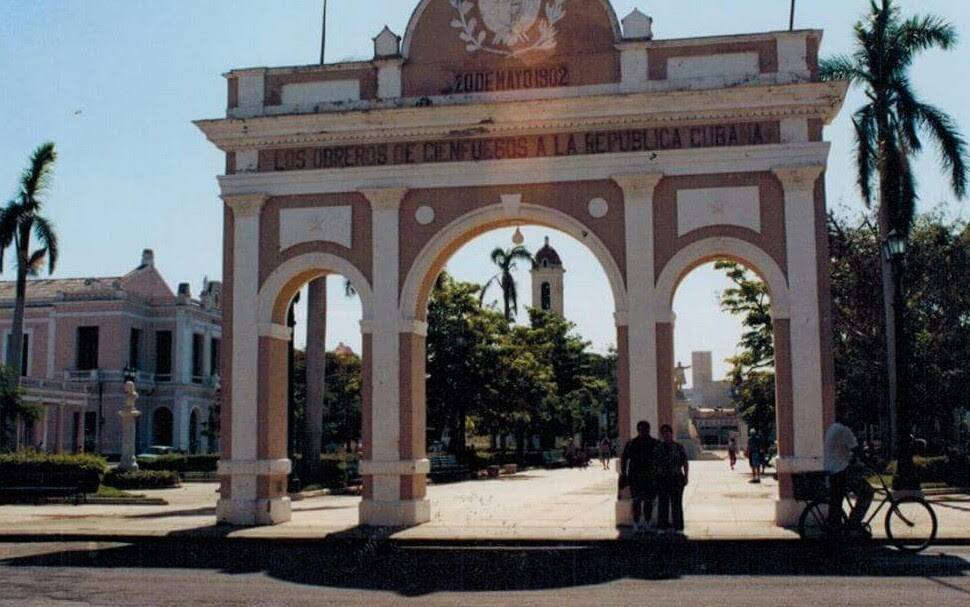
(106, 491)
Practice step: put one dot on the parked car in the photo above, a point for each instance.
(156, 451)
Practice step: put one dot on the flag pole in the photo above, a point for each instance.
(791, 20)
(323, 37)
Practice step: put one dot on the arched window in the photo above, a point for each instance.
(546, 296)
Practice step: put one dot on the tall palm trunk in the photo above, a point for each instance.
(15, 346)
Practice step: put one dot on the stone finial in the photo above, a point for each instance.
(387, 44)
(637, 26)
(147, 258)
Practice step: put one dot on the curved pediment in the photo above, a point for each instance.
(484, 46)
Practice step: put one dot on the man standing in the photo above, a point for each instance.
(637, 469)
(672, 472)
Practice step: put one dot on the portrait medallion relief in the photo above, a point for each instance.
(508, 27)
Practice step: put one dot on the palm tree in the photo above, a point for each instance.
(505, 261)
(888, 130)
(20, 219)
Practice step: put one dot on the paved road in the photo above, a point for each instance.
(677, 574)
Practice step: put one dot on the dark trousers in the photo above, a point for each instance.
(840, 485)
(642, 493)
(670, 500)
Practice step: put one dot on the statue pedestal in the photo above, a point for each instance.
(128, 417)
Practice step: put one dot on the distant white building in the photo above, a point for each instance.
(548, 292)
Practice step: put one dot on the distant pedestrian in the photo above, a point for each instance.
(754, 456)
(672, 476)
(605, 449)
(733, 452)
(638, 471)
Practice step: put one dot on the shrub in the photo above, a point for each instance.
(29, 469)
(181, 463)
(142, 479)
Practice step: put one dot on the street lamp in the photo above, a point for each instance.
(894, 250)
(894, 247)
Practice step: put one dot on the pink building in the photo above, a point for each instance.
(80, 336)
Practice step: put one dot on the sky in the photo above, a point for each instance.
(117, 83)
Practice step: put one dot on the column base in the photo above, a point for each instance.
(402, 513)
(788, 511)
(254, 513)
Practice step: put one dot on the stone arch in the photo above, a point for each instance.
(432, 258)
(281, 286)
(195, 430)
(711, 249)
(418, 12)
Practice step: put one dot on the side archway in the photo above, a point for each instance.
(281, 286)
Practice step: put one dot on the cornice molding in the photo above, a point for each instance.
(525, 117)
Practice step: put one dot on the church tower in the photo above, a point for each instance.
(547, 281)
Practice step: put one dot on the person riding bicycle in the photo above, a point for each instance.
(846, 475)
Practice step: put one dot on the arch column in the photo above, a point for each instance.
(394, 465)
(254, 468)
(803, 334)
(637, 337)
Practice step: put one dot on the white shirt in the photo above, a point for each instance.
(839, 443)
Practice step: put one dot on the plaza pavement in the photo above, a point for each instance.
(535, 505)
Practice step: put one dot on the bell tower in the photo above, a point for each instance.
(547, 281)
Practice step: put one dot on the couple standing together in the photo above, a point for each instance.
(655, 470)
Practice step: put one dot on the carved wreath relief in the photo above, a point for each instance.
(516, 26)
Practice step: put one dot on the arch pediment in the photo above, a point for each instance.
(484, 46)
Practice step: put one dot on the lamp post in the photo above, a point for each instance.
(894, 249)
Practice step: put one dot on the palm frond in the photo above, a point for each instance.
(9, 220)
(498, 256)
(349, 289)
(491, 281)
(35, 262)
(864, 123)
(841, 67)
(952, 146)
(45, 233)
(905, 209)
(36, 178)
(924, 32)
(907, 113)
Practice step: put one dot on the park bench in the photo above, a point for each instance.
(553, 459)
(445, 468)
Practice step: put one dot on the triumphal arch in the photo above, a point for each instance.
(658, 155)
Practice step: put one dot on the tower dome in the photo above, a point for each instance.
(547, 257)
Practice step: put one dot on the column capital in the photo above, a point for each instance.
(277, 332)
(246, 205)
(638, 185)
(414, 326)
(384, 199)
(799, 178)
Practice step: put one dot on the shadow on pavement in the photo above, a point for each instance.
(354, 562)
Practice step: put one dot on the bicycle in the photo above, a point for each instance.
(910, 522)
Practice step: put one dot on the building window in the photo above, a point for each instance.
(546, 296)
(87, 348)
(215, 356)
(90, 431)
(162, 425)
(198, 342)
(163, 355)
(24, 353)
(134, 349)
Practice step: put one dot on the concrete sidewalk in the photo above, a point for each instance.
(534, 506)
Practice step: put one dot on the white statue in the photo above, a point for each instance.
(128, 417)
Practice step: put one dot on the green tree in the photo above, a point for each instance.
(20, 220)
(505, 260)
(342, 400)
(12, 406)
(752, 369)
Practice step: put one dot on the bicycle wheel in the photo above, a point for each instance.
(813, 523)
(911, 524)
